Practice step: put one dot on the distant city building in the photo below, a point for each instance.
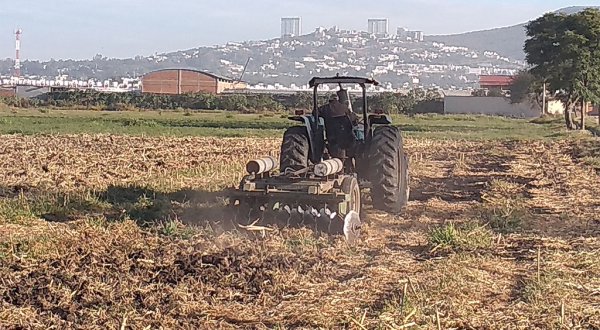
(291, 26)
(378, 26)
(333, 51)
(417, 35)
(402, 32)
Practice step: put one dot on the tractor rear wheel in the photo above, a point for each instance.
(389, 171)
(295, 149)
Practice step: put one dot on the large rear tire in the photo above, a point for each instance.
(389, 171)
(295, 149)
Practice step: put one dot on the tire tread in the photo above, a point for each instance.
(387, 178)
(295, 149)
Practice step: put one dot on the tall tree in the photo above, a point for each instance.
(564, 51)
(525, 87)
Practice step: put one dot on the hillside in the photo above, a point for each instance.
(574, 9)
(395, 61)
(449, 62)
(506, 41)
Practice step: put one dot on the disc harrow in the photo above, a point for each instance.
(317, 197)
(322, 218)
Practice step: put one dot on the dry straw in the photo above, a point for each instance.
(94, 272)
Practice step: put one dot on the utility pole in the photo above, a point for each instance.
(544, 101)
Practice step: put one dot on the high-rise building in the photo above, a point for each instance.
(291, 26)
(417, 35)
(402, 32)
(378, 26)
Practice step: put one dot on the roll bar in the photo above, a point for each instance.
(316, 81)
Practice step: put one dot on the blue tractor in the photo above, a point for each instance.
(327, 163)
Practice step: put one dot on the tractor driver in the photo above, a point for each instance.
(336, 109)
(339, 121)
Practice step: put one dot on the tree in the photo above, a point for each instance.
(564, 51)
(521, 87)
(386, 102)
(408, 102)
(525, 87)
(301, 100)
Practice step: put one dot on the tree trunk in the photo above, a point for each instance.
(568, 116)
(583, 113)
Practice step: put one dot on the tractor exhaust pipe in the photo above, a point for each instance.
(260, 166)
(329, 167)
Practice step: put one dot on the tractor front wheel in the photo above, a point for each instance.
(295, 149)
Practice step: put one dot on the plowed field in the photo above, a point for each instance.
(129, 232)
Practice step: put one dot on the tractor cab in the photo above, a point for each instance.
(336, 129)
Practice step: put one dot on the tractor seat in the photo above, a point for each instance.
(339, 132)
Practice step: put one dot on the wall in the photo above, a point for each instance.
(499, 106)
(178, 82)
(7, 91)
(555, 107)
(194, 82)
(592, 110)
(31, 91)
(429, 107)
(229, 86)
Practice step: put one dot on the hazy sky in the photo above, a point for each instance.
(125, 28)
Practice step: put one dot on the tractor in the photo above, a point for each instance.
(327, 163)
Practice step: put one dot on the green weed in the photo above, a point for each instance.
(175, 229)
(504, 208)
(507, 218)
(469, 236)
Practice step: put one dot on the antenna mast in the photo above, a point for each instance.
(18, 33)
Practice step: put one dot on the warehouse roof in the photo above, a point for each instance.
(215, 76)
(495, 80)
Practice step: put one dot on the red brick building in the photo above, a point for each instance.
(182, 81)
(495, 82)
(8, 91)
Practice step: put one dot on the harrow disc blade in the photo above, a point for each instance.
(315, 216)
(352, 227)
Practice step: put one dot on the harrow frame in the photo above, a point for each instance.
(323, 197)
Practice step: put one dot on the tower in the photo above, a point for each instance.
(378, 26)
(18, 33)
(291, 26)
